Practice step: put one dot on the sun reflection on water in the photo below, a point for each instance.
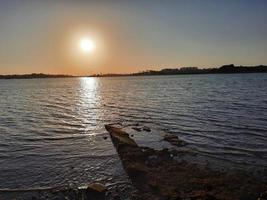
(89, 86)
(90, 104)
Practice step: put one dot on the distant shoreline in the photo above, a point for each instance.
(35, 76)
(225, 69)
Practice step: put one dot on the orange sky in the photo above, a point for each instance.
(43, 36)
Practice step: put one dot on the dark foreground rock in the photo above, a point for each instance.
(96, 190)
(160, 174)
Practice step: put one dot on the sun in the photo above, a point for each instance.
(87, 45)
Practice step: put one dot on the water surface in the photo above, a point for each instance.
(51, 130)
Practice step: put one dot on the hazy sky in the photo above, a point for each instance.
(130, 36)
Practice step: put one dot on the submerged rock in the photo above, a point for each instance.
(147, 129)
(137, 129)
(174, 140)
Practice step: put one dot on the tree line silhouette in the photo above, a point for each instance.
(194, 70)
(34, 75)
(225, 69)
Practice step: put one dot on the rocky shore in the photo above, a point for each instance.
(154, 162)
(158, 168)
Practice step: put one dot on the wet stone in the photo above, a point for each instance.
(96, 191)
(174, 140)
(137, 129)
(147, 129)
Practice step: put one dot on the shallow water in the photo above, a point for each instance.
(52, 129)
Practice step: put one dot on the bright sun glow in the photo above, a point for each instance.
(87, 45)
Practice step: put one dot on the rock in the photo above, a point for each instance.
(200, 195)
(116, 197)
(174, 140)
(119, 137)
(97, 187)
(153, 185)
(147, 129)
(263, 196)
(137, 129)
(136, 169)
(96, 191)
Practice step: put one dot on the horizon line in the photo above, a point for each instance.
(129, 73)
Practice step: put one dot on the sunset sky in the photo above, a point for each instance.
(129, 36)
